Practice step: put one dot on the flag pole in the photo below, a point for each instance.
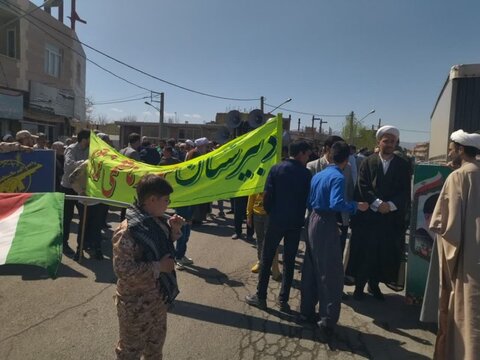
(82, 238)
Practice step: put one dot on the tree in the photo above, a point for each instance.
(101, 119)
(89, 109)
(129, 118)
(362, 136)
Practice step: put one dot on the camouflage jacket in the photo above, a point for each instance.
(135, 271)
(135, 277)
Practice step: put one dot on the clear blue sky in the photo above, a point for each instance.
(330, 57)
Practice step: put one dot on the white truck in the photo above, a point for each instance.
(457, 107)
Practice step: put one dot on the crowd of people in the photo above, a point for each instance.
(314, 195)
(371, 195)
(71, 157)
(337, 190)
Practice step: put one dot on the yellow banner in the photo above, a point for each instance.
(238, 168)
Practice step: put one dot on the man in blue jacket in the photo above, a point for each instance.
(322, 272)
(285, 199)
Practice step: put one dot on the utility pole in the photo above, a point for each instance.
(350, 121)
(162, 110)
(153, 95)
(379, 123)
(262, 102)
(313, 125)
(298, 129)
(321, 123)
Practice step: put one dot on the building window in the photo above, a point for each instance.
(53, 59)
(11, 42)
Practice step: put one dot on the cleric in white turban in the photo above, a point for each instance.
(455, 220)
(378, 235)
(463, 138)
(201, 141)
(387, 129)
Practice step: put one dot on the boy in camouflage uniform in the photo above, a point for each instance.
(142, 253)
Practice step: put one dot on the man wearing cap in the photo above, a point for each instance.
(377, 243)
(456, 220)
(25, 138)
(8, 144)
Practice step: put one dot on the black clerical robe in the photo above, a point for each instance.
(377, 243)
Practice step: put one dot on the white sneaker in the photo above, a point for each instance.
(179, 266)
(186, 261)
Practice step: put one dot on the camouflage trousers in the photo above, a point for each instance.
(143, 326)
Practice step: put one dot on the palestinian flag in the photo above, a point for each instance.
(31, 229)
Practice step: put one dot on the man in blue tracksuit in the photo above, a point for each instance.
(322, 272)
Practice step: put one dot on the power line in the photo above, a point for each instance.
(139, 70)
(304, 113)
(124, 98)
(120, 101)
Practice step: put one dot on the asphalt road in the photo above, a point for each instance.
(74, 317)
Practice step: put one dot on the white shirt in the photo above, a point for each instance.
(374, 206)
(385, 163)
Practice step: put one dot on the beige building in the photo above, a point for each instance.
(42, 72)
(420, 151)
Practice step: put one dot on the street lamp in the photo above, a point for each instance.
(371, 112)
(283, 103)
(161, 111)
(352, 115)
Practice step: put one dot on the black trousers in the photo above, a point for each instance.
(240, 215)
(291, 238)
(93, 227)
(68, 210)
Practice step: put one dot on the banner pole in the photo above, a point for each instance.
(85, 207)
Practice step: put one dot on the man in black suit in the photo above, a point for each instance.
(378, 235)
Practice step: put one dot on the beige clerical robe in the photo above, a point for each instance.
(456, 220)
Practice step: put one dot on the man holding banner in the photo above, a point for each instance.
(285, 199)
(75, 155)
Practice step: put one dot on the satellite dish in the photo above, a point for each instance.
(222, 135)
(234, 119)
(256, 118)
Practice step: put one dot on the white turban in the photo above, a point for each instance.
(190, 143)
(201, 141)
(387, 129)
(463, 138)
